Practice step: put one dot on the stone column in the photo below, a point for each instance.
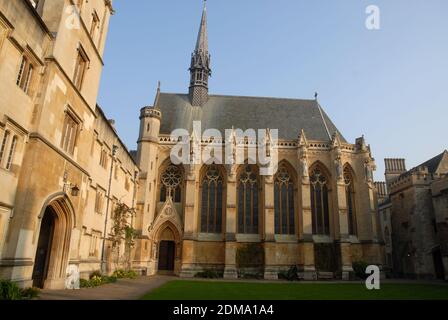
(270, 270)
(373, 213)
(189, 268)
(230, 271)
(344, 240)
(309, 268)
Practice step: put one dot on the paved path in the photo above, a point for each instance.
(123, 289)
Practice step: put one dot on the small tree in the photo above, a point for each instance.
(122, 230)
(130, 234)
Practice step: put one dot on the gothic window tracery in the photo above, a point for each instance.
(212, 200)
(248, 200)
(319, 202)
(284, 202)
(171, 184)
(350, 198)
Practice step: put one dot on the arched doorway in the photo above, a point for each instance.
(53, 243)
(43, 252)
(168, 250)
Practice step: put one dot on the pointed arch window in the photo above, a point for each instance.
(284, 202)
(350, 198)
(248, 200)
(212, 201)
(319, 202)
(171, 184)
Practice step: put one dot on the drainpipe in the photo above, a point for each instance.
(103, 250)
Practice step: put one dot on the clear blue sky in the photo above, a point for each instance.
(390, 85)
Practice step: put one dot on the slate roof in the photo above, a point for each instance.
(438, 164)
(289, 116)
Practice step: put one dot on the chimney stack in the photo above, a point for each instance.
(394, 168)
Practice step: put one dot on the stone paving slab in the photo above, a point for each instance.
(123, 289)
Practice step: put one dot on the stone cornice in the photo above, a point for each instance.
(37, 136)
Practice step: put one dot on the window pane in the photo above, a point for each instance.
(248, 211)
(178, 197)
(284, 208)
(277, 208)
(241, 208)
(319, 209)
(211, 212)
(204, 206)
(219, 212)
(21, 69)
(162, 193)
(326, 211)
(28, 79)
(11, 152)
(291, 209)
(313, 209)
(255, 205)
(4, 142)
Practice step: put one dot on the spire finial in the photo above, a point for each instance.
(316, 94)
(200, 70)
(157, 98)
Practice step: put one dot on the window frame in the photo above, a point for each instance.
(325, 202)
(5, 142)
(285, 227)
(81, 66)
(350, 201)
(71, 121)
(219, 200)
(25, 74)
(255, 217)
(94, 26)
(12, 151)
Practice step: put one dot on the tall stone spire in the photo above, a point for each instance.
(200, 69)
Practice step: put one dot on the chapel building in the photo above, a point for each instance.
(317, 211)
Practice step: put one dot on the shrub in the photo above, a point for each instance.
(29, 293)
(95, 274)
(120, 274)
(9, 290)
(110, 279)
(291, 275)
(209, 274)
(84, 283)
(359, 267)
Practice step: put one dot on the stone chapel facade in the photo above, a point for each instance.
(317, 212)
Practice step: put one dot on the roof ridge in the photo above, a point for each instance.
(323, 119)
(244, 97)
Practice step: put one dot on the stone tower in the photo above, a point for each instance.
(200, 66)
(147, 156)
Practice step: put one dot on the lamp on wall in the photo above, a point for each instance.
(73, 188)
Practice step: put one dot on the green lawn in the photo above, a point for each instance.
(216, 290)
